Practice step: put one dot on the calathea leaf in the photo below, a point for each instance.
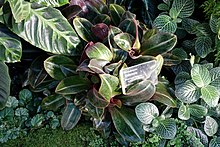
(203, 46)
(116, 13)
(210, 126)
(124, 41)
(73, 85)
(140, 92)
(97, 65)
(59, 67)
(210, 95)
(52, 3)
(184, 112)
(165, 23)
(127, 124)
(199, 134)
(198, 110)
(166, 129)
(53, 102)
(188, 92)
(183, 8)
(70, 117)
(47, 29)
(83, 28)
(5, 83)
(20, 9)
(128, 26)
(102, 18)
(162, 95)
(109, 86)
(11, 49)
(200, 75)
(146, 112)
(97, 99)
(158, 43)
(99, 51)
(113, 31)
(95, 112)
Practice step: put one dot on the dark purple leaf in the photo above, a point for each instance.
(100, 31)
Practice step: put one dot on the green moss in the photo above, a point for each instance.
(81, 135)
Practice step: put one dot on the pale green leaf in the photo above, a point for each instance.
(184, 112)
(183, 8)
(210, 95)
(52, 3)
(198, 110)
(166, 129)
(210, 126)
(165, 23)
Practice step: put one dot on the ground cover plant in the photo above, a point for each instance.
(142, 74)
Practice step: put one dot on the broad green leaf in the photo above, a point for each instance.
(124, 41)
(12, 102)
(213, 23)
(113, 31)
(52, 3)
(163, 7)
(94, 112)
(128, 26)
(188, 92)
(210, 126)
(184, 112)
(165, 23)
(137, 93)
(70, 117)
(46, 28)
(146, 112)
(116, 13)
(198, 110)
(7, 113)
(166, 129)
(200, 75)
(127, 124)
(199, 134)
(215, 142)
(96, 99)
(72, 85)
(5, 83)
(158, 43)
(99, 51)
(20, 9)
(37, 120)
(183, 8)
(59, 67)
(203, 46)
(83, 28)
(190, 25)
(53, 102)
(109, 86)
(97, 65)
(215, 77)
(210, 95)
(102, 18)
(163, 96)
(25, 96)
(10, 45)
(181, 78)
(22, 112)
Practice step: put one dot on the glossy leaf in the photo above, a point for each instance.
(200, 75)
(97, 99)
(95, 112)
(100, 30)
(53, 102)
(70, 117)
(167, 129)
(83, 28)
(124, 41)
(20, 9)
(59, 67)
(198, 110)
(5, 83)
(127, 124)
(47, 29)
(159, 43)
(146, 112)
(97, 65)
(102, 18)
(128, 26)
(183, 8)
(210, 95)
(210, 126)
(52, 3)
(199, 134)
(11, 49)
(72, 85)
(181, 78)
(184, 112)
(116, 13)
(203, 46)
(187, 92)
(165, 23)
(99, 51)
(109, 86)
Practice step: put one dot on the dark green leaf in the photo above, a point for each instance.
(199, 134)
(83, 28)
(59, 67)
(95, 112)
(127, 124)
(12, 102)
(181, 78)
(72, 85)
(53, 102)
(37, 120)
(10, 44)
(165, 23)
(167, 129)
(102, 18)
(97, 99)
(128, 26)
(215, 142)
(22, 112)
(71, 116)
(25, 95)
(116, 13)
(5, 83)
(198, 110)
(203, 46)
